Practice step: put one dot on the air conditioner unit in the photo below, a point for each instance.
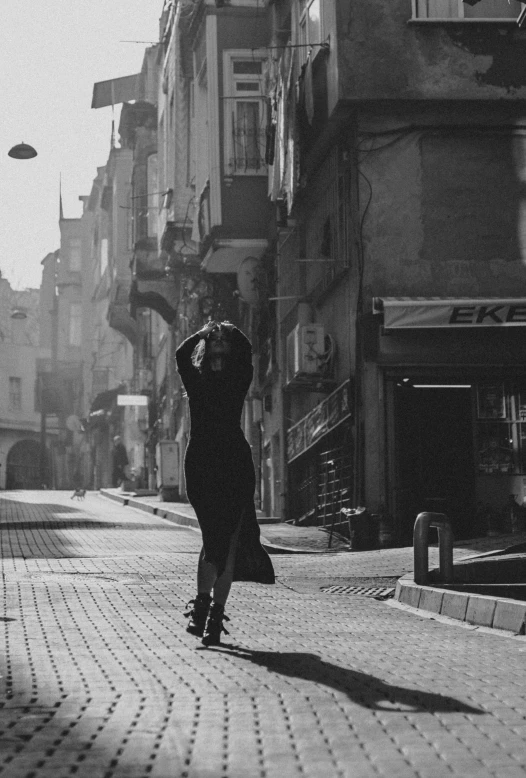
(305, 349)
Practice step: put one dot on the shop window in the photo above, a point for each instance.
(245, 114)
(501, 428)
(457, 9)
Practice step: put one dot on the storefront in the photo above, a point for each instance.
(319, 461)
(451, 377)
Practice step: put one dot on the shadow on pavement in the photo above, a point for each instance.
(366, 690)
(30, 529)
(16, 529)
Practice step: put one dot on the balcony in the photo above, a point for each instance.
(160, 295)
(148, 263)
(119, 317)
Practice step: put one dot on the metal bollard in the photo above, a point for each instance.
(420, 546)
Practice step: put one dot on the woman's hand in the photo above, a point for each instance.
(205, 331)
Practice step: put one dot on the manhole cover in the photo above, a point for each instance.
(364, 591)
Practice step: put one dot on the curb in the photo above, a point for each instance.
(475, 609)
(184, 520)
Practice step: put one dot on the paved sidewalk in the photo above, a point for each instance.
(100, 680)
(276, 535)
(282, 536)
(476, 609)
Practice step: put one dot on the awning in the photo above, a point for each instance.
(228, 258)
(117, 90)
(436, 312)
(104, 401)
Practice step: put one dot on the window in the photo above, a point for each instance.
(245, 114)
(15, 394)
(103, 255)
(310, 24)
(501, 427)
(457, 9)
(75, 324)
(75, 254)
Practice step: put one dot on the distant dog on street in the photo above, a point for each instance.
(78, 494)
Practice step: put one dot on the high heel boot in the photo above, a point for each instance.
(214, 625)
(198, 614)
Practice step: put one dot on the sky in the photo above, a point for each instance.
(51, 54)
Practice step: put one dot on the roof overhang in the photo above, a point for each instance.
(117, 90)
(405, 313)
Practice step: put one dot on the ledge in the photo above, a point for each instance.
(464, 21)
(475, 609)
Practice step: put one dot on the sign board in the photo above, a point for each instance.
(423, 313)
(132, 399)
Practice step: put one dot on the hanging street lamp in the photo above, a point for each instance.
(22, 151)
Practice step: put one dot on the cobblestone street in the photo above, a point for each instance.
(100, 679)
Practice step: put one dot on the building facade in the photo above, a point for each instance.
(20, 453)
(392, 155)
(353, 202)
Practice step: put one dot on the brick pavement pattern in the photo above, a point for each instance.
(100, 680)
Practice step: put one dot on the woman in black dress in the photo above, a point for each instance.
(215, 366)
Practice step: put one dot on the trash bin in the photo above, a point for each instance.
(363, 528)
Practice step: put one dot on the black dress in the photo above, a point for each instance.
(219, 471)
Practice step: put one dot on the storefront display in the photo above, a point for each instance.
(501, 428)
(491, 402)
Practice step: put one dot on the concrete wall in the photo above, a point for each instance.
(446, 216)
(18, 361)
(383, 55)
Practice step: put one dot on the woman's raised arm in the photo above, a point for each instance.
(183, 358)
(242, 356)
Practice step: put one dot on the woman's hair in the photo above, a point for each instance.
(200, 356)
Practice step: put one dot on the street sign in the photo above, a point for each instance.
(132, 399)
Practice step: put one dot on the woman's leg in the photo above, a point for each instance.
(206, 575)
(222, 584)
(214, 625)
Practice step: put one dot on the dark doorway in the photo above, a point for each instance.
(434, 455)
(23, 466)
